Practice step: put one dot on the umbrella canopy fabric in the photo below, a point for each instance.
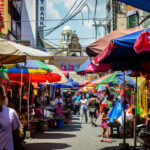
(59, 72)
(121, 55)
(89, 67)
(31, 53)
(34, 64)
(118, 78)
(40, 78)
(144, 4)
(25, 71)
(71, 84)
(96, 47)
(12, 53)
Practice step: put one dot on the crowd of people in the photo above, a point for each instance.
(84, 105)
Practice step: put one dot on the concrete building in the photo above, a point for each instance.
(33, 22)
(115, 16)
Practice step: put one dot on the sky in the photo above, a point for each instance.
(57, 9)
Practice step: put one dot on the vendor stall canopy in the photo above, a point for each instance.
(117, 78)
(12, 53)
(96, 47)
(127, 52)
(141, 4)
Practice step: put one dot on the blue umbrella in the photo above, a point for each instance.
(121, 54)
(71, 84)
(141, 4)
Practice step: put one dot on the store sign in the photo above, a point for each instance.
(3, 16)
(42, 13)
(69, 67)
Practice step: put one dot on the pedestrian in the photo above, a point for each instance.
(77, 99)
(104, 125)
(83, 110)
(9, 126)
(92, 103)
(104, 101)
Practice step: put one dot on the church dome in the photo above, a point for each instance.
(67, 30)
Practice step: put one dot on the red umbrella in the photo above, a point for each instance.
(41, 78)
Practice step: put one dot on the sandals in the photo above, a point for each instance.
(109, 141)
(102, 140)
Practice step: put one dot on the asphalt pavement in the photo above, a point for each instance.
(73, 136)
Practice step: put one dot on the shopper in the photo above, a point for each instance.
(9, 124)
(92, 103)
(104, 125)
(83, 110)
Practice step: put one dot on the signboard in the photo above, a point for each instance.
(69, 67)
(3, 16)
(42, 13)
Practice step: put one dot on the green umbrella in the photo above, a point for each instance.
(4, 76)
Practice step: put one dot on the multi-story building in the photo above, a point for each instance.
(10, 19)
(33, 21)
(115, 16)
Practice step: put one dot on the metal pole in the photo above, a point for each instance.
(28, 100)
(135, 118)
(21, 89)
(124, 121)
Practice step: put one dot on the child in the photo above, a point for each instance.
(104, 125)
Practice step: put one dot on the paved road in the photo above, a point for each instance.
(72, 137)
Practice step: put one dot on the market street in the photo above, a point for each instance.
(72, 137)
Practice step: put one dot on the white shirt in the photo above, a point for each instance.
(8, 122)
(58, 101)
(83, 104)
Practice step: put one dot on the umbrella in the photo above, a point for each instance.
(59, 72)
(41, 78)
(96, 47)
(117, 78)
(144, 4)
(11, 52)
(71, 84)
(120, 54)
(89, 67)
(34, 64)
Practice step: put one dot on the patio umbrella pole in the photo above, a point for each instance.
(28, 100)
(135, 118)
(124, 145)
(21, 88)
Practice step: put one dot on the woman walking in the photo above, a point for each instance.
(83, 110)
(92, 103)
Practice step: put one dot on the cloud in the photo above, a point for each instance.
(52, 13)
(88, 24)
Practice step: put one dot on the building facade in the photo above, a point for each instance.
(115, 16)
(33, 22)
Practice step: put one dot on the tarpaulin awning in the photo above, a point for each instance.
(141, 4)
(96, 47)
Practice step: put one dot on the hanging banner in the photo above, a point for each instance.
(42, 13)
(3, 16)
